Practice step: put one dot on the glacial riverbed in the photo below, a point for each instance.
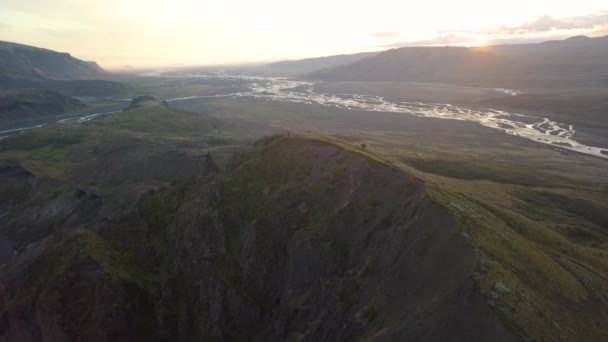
(538, 129)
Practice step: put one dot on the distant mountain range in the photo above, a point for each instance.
(37, 82)
(310, 65)
(27, 63)
(577, 61)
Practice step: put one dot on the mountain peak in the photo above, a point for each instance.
(146, 101)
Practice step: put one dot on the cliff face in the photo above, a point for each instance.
(307, 241)
(301, 240)
(22, 62)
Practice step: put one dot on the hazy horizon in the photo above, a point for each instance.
(186, 32)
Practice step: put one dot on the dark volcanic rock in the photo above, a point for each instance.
(74, 295)
(210, 166)
(370, 255)
(140, 101)
(12, 169)
(300, 240)
(29, 103)
(17, 183)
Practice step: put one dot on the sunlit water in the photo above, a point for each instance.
(537, 129)
(542, 130)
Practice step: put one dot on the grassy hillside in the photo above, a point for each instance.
(548, 247)
(293, 237)
(22, 104)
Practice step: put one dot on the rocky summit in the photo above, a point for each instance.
(299, 238)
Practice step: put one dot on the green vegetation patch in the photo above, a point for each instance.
(533, 261)
(61, 263)
(367, 314)
(227, 270)
(486, 170)
(533, 272)
(119, 264)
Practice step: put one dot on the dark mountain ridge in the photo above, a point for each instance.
(309, 65)
(35, 82)
(23, 62)
(299, 240)
(573, 62)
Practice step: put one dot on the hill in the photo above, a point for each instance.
(21, 62)
(310, 65)
(579, 61)
(156, 224)
(28, 103)
(38, 82)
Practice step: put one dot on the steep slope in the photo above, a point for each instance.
(22, 62)
(303, 240)
(151, 224)
(572, 62)
(307, 241)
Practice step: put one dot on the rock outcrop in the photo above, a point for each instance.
(301, 240)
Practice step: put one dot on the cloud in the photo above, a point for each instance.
(385, 35)
(541, 29)
(548, 23)
(440, 39)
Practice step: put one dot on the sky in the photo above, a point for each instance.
(153, 33)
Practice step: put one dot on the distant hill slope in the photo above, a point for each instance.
(28, 72)
(309, 65)
(22, 62)
(580, 61)
(27, 103)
